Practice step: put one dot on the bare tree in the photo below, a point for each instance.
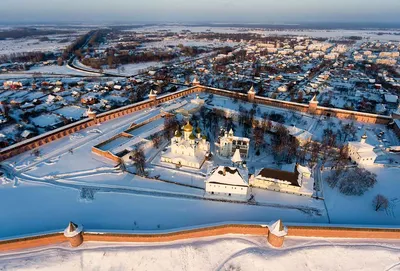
(171, 124)
(139, 159)
(156, 139)
(380, 203)
(259, 140)
(352, 181)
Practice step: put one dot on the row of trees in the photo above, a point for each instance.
(27, 57)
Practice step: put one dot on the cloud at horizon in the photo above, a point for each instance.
(262, 11)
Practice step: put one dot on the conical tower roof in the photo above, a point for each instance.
(72, 230)
(314, 99)
(252, 90)
(236, 158)
(153, 93)
(71, 227)
(280, 225)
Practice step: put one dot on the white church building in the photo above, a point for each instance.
(188, 149)
(361, 152)
(228, 143)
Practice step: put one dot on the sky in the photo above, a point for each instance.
(229, 11)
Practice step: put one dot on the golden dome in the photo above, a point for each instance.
(188, 127)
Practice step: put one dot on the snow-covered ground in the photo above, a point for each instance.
(229, 252)
(339, 33)
(188, 42)
(71, 112)
(133, 69)
(55, 69)
(51, 187)
(10, 46)
(359, 209)
(46, 120)
(31, 208)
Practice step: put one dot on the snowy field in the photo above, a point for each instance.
(133, 69)
(55, 69)
(229, 252)
(188, 42)
(359, 209)
(56, 43)
(339, 33)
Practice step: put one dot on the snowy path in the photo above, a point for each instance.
(230, 252)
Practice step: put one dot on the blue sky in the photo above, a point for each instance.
(263, 11)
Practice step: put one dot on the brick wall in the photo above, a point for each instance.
(343, 232)
(299, 231)
(32, 242)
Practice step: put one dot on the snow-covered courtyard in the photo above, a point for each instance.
(67, 181)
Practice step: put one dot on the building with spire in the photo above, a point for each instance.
(251, 94)
(228, 144)
(195, 81)
(153, 95)
(361, 152)
(188, 148)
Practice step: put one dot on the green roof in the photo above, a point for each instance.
(198, 130)
(204, 137)
(192, 136)
(178, 133)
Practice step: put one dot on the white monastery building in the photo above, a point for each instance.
(228, 182)
(228, 143)
(361, 152)
(187, 149)
(292, 179)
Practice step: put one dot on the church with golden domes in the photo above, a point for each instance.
(189, 149)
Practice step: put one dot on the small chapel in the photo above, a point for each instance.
(189, 149)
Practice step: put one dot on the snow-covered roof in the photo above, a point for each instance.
(251, 90)
(278, 229)
(72, 230)
(360, 146)
(391, 98)
(229, 176)
(303, 170)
